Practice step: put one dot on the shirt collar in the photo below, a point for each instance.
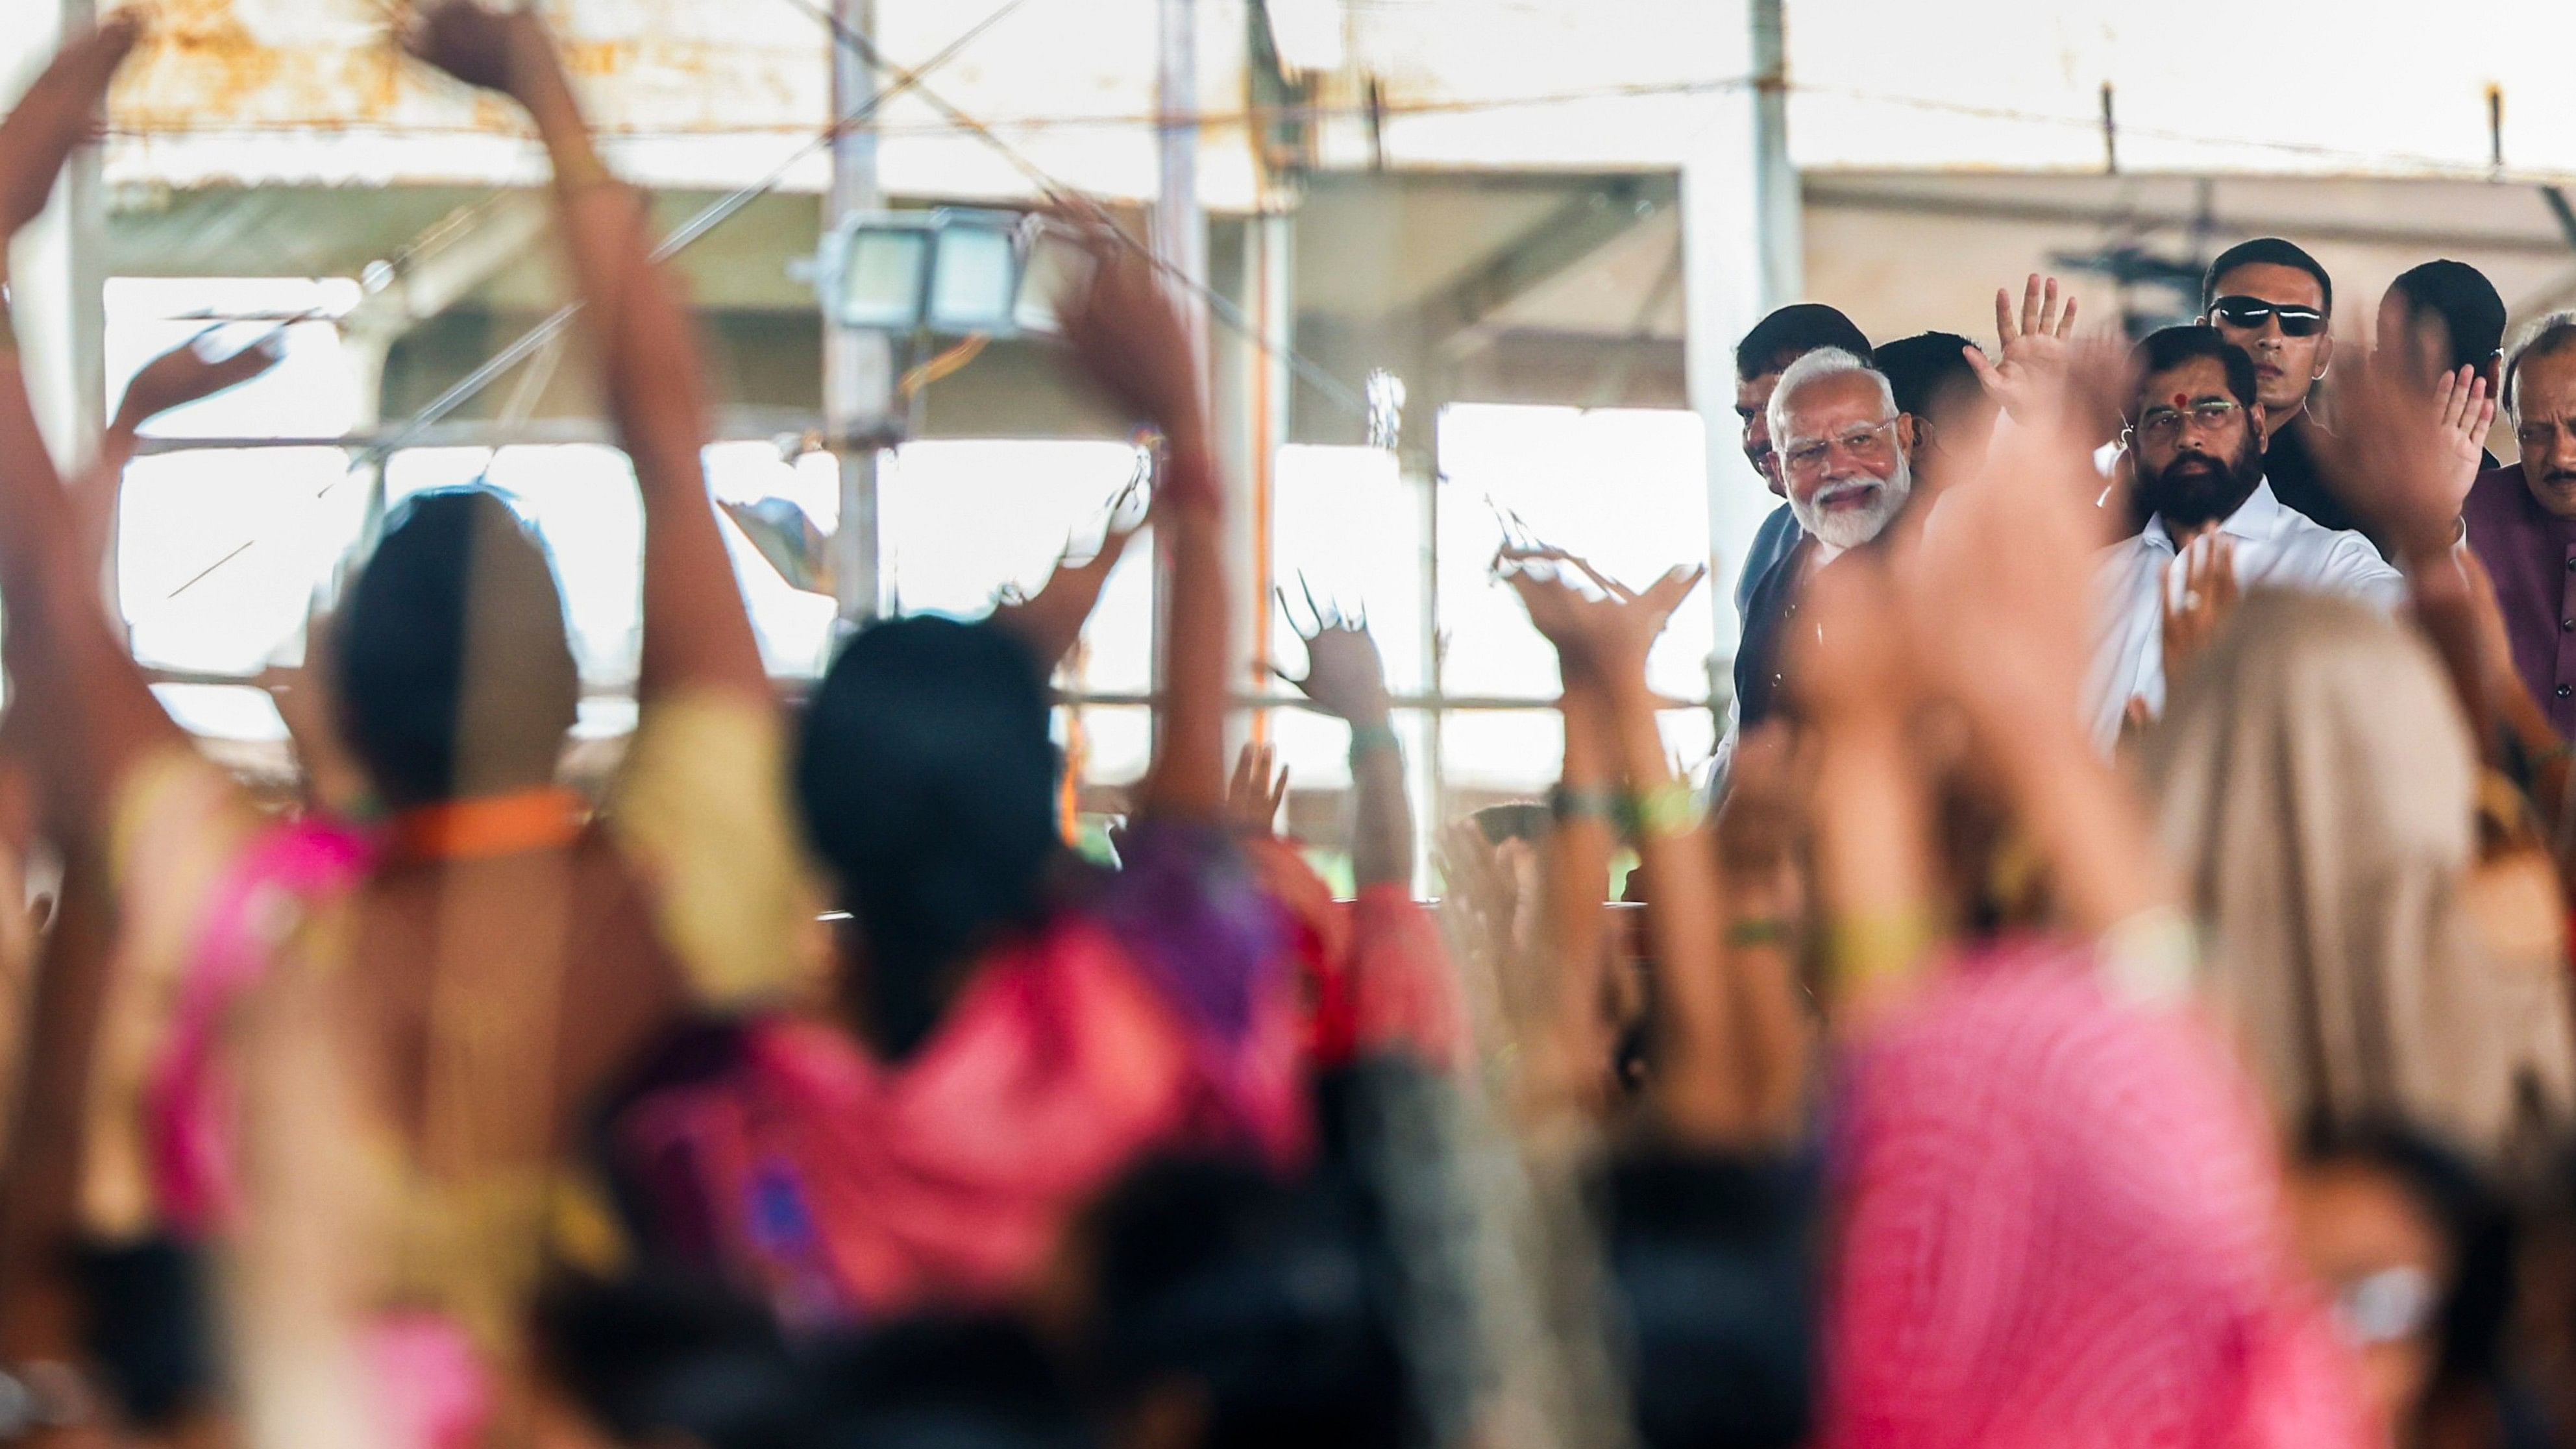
(2255, 518)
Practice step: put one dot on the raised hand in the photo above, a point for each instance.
(1996, 597)
(1051, 619)
(192, 372)
(1258, 789)
(1849, 660)
(2199, 593)
(1603, 639)
(479, 46)
(2030, 375)
(59, 112)
(1128, 338)
(1344, 675)
(2401, 462)
(2463, 412)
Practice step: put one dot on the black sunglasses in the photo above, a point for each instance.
(2251, 312)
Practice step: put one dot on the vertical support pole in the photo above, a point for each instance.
(1741, 245)
(1249, 411)
(1180, 242)
(1777, 204)
(858, 365)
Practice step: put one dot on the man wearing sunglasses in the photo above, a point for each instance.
(2270, 298)
(2195, 436)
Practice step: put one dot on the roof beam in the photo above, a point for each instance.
(1459, 318)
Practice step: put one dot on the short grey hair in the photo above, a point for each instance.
(2545, 337)
(1816, 366)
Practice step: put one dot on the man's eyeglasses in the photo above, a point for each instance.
(2164, 424)
(2250, 313)
(1862, 442)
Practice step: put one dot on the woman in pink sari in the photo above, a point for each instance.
(1012, 1028)
(2060, 1217)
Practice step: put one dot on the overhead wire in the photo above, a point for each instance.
(465, 389)
(1058, 192)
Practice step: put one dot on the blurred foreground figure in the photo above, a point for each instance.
(350, 1063)
(2317, 789)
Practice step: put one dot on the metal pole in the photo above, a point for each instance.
(858, 366)
(1179, 235)
(1180, 223)
(1776, 199)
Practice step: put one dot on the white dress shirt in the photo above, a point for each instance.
(2276, 548)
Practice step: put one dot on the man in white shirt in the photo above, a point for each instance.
(2195, 435)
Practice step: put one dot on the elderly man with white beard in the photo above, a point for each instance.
(1846, 457)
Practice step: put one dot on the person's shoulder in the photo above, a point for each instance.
(2498, 487)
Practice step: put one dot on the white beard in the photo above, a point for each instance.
(1845, 528)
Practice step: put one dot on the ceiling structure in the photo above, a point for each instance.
(1480, 188)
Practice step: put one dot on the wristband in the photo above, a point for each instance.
(1368, 737)
(1569, 804)
(2151, 958)
(1660, 811)
(1756, 932)
(1878, 945)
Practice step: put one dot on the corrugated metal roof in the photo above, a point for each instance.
(716, 92)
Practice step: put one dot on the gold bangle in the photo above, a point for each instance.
(1878, 945)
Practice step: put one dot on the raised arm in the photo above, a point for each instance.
(1704, 1080)
(1051, 620)
(1871, 806)
(696, 633)
(187, 373)
(1128, 339)
(91, 717)
(1346, 679)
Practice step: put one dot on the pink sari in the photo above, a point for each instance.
(841, 1188)
(2062, 1228)
(427, 1377)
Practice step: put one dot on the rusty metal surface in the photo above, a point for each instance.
(714, 92)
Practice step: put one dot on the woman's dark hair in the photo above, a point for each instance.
(1713, 1278)
(2475, 1225)
(662, 1353)
(940, 1382)
(926, 777)
(456, 676)
(659, 1357)
(2167, 348)
(1272, 1301)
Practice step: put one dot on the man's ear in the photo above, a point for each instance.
(2262, 434)
(1910, 430)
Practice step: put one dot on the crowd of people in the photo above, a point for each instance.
(2114, 989)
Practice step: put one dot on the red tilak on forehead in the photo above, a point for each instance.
(2181, 401)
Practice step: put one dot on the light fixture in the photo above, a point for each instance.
(954, 270)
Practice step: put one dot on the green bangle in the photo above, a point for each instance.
(1367, 737)
(1569, 804)
(1659, 812)
(1754, 932)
